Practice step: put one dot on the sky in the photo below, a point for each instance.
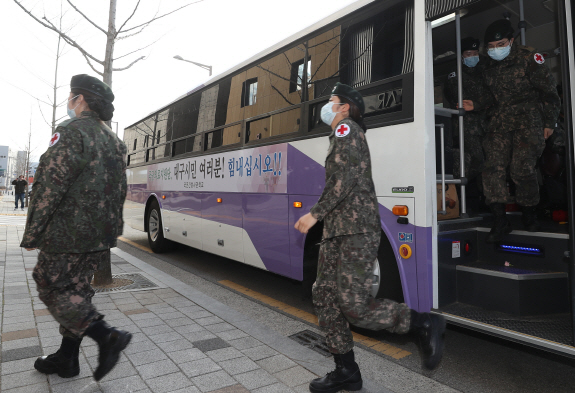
(220, 33)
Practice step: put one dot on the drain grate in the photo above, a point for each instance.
(137, 282)
(312, 340)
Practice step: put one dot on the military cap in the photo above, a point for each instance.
(498, 30)
(470, 43)
(350, 94)
(92, 85)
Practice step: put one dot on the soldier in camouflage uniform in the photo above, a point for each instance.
(74, 218)
(349, 209)
(474, 119)
(526, 106)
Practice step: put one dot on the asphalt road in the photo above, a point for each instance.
(473, 362)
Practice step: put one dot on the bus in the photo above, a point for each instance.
(232, 165)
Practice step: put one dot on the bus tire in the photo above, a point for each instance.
(389, 279)
(158, 243)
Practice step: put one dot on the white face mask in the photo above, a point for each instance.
(499, 53)
(327, 113)
(71, 112)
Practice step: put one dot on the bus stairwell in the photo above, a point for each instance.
(518, 288)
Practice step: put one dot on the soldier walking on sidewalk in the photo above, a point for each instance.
(74, 218)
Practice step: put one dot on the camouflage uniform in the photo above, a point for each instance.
(75, 216)
(348, 206)
(473, 121)
(526, 102)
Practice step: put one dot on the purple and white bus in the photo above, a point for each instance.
(230, 167)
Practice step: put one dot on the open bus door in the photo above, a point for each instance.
(522, 289)
(566, 17)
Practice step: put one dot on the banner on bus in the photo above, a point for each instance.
(262, 170)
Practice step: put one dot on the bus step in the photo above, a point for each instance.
(512, 290)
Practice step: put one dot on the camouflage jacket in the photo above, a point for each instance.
(473, 89)
(79, 189)
(348, 204)
(524, 91)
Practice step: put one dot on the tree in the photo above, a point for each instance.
(112, 34)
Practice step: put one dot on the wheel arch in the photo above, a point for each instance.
(151, 198)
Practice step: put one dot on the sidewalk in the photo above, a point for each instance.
(183, 340)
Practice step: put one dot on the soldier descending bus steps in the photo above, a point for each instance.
(352, 226)
(74, 218)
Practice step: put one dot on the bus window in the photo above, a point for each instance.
(187, 145)
(137, 158)
(162, 127)
(223, 137)
(183, 117)
(324, 49)
(208, 105)
(278, 124)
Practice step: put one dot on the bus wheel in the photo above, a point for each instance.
(376, 279)
(158, 243)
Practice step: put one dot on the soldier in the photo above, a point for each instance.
(20, 191)
(524, 116)
(74, 218)
(473, 97)
(350, 212)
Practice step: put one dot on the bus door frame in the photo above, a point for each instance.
(567, 67)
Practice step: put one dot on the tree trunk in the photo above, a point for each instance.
(104, 274)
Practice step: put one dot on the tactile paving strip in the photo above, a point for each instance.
(138, 282)
(312, 340)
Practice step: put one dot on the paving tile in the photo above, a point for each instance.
(261, 352)
(255, 379)
(245, 343)
(193, 327)
(121, 370)
(169, 315)
(186, 355)
(198, 336)
(231, 334)
(85, 372)
(178, 321)
(17, 366)
(189, 389)
(146, 357)
(124, 385)
(150, 331)
(304, 388)
(141, 346)
(220, 327)
(238, 365)
(210, 344)
(199, 367)
(130, 306)
(220, 355)
(22, 343)
(144, 323)
(275, 388)
(12, 327)
(208, 321)
(19, 334)
(175, 345)
(197, 314)
(232, 389)
(295, 376)
(136, 311)
(156, 369)
(213, 381)
(168, 383)
(36, 388)
(29, 377)
(276, 363)
(21, 353)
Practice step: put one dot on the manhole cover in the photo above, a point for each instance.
(312, 340)
(130, 281)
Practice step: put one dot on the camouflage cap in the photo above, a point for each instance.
(470, 43)
(92, 85)
(350, 94)
(498, 30)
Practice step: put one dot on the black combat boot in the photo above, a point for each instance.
(64, 362)
(346, 376)
(501, 226)
(431, 331)
(111, 342)
(529, 219)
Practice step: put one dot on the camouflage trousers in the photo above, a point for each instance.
(519, 150)
(63, 283)
(474, 157)
(341, 293)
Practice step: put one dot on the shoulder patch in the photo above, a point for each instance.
(452, 75)
(342, 130)
(539, 58)
(55, 138)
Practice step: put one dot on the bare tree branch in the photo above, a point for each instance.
(131, 35)
(88, 19)
(91, 65)
(19, 88)
(159, 17)
(131, 64)
(137, 50)
(43, 117)
(130, 17)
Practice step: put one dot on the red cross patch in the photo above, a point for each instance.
(539, 59)
(55, 138)
(342, 131)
